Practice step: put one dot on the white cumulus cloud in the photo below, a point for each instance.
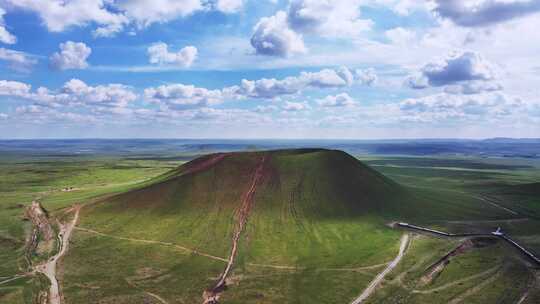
(443, 106)
(366, 77)
(337, 101)
(76, 91)
(334, 18)
(72, 55)
(113, 16)
(5, 36)
(485, 12)
(159, 54)
(272, 88)
(146, 12)
(281, 34)
(184, 96)
(458, 67)
(14, 88)
(73, 93)
(290, 106)
(400, 36)
(272, 36)
(17, 61)
(228, 6)
(58, 15)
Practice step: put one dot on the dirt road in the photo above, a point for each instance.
(378, 279)
(49, 268)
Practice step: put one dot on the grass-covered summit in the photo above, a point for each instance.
(296, 187)
(312, 183)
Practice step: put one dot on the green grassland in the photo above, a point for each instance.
(491, 274)
(23, 179)
(319, 218)
(511, 183)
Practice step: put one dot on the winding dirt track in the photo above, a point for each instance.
(525, 294)
(378, 279)
(49, 268)
(176, 246)
(187, 250)
(462, 297)
(13, 278)
(155, 296)
(492, 203)
(489, 272)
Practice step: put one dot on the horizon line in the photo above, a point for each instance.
(275, 138)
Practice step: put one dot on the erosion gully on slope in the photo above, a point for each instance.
(48, 268)
(42, 231)
(212, 296)
(435, 269)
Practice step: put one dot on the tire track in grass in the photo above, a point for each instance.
(187, 250)
(486, 273)
(176, 246)
(155, 296)
(496, 205)
(527, 290)
(461, 298)
(150, 294)
(14, 278)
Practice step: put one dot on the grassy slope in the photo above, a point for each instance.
(101, 267)
(512, 183)
(23, 179)
(464, 273)
(315, 209)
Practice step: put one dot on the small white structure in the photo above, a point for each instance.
(498, 232)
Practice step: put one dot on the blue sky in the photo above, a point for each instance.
(269, 69)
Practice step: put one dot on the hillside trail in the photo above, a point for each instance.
(474, 290)
(167, 244)
(49, 267)
(13, 278)
(378, 279)
(150, 294)
(188, 250)
(528, 289)
(242, 215)
(479, 197)
(487, 273)
(494, 204)
(155, 296)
